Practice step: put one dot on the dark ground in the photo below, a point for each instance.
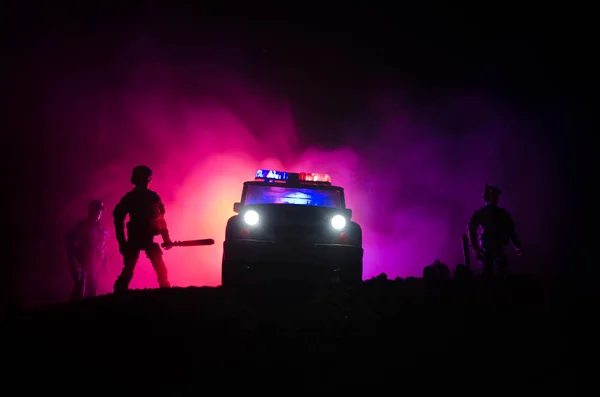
(393, 336)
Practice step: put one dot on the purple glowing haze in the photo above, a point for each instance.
(411, 188)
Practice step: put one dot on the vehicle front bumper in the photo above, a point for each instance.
(268, 259)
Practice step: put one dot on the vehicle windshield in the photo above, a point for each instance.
(257, 194)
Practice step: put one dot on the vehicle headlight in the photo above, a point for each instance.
(251, 217)
(338, 222)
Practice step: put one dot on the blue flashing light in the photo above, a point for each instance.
(272, 174)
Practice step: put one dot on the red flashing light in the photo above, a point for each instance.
(343, 237)
(312, 177)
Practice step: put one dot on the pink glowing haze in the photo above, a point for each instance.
(205, 130)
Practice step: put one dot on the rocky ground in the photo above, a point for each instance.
(385, 335)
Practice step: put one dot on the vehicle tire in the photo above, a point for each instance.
(229, 276)
(352, 275)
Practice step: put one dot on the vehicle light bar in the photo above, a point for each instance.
(271, 174)
(312, 177)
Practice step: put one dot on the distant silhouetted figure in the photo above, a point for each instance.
(146, 220)
(87, 251)
(498, 231)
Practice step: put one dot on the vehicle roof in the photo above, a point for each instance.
(295, 184)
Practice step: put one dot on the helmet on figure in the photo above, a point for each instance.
(141, 175)
(95, 209)
(96, 205)
(491, 194)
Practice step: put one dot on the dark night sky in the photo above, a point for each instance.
(322, 57)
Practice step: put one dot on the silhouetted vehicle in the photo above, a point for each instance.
(291, 227)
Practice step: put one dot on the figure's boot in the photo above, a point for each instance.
(122, 283)
(156, 258)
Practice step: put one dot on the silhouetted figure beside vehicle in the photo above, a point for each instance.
(146, 219)
(498, 230)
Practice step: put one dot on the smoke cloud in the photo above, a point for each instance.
(204, 128)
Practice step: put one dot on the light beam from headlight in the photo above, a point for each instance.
(251, 217)
(338, 222)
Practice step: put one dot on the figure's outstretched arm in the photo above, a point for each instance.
(163, 229)
(473, 225)
(514, 238)
(119, 214)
